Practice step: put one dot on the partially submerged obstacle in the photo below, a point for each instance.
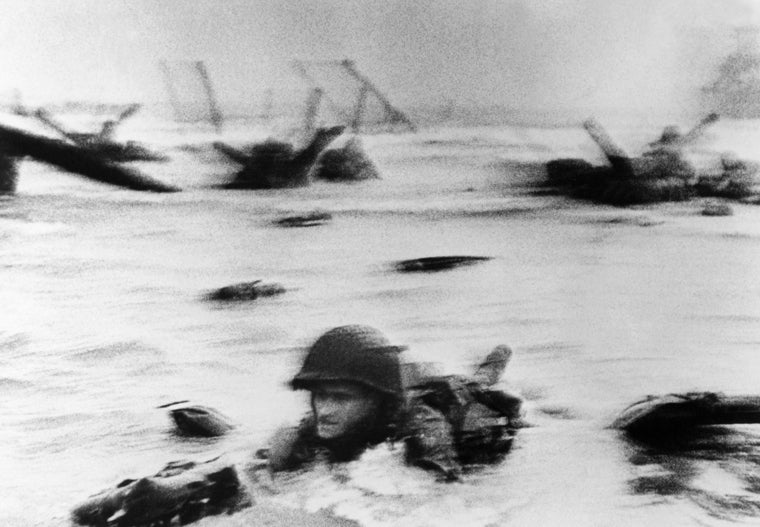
(8, 170)
(275, 164)
(102, 143)
(661, 174)
(344, 162)
(18, 144)
(354, 115)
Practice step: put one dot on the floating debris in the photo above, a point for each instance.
(183, 489)
(657, 416)
(247, 291)
(638, 220)
(437, 263)
(310, 219)
(717, 208)
(199, 421)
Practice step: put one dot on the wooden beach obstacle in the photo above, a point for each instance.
(354, 117)
(17, 144)
(191, 92)
(276, 164)
(343, 162)
(344, 158)
(102, 143)
(660, 174)
(8, 169)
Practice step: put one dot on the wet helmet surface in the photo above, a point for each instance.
(353, 353)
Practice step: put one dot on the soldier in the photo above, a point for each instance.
(671, 135)
(665, 157)
(354, 375)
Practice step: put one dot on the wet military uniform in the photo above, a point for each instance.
(444, 421)
(448, 422)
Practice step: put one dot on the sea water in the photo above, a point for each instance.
(104, 319)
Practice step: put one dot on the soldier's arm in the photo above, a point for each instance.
(287, 448)
(429, 441)
(507, 404)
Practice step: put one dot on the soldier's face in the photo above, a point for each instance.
(343, 408)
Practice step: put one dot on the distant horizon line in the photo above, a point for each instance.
(424, 114)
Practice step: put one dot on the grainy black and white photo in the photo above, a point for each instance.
(402, 263)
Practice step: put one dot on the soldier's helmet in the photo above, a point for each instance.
(354, 353)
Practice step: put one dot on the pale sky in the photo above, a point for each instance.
(539, 53)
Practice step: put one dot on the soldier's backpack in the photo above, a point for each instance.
(481, 419)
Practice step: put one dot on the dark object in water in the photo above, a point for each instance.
(604, 184)
(8, 171)
(437, 263)
(310, 219)
(479, 421)
(274, 164)
(269, 165)
(187, 490)
(199, 421)
(661, 174)
(101, 143)
(658, 416)
(717, 208)
(124, 152)
(247, 291)
(346, 162)
(77, 160)
(735, 180)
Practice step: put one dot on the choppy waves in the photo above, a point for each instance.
(104, 320)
